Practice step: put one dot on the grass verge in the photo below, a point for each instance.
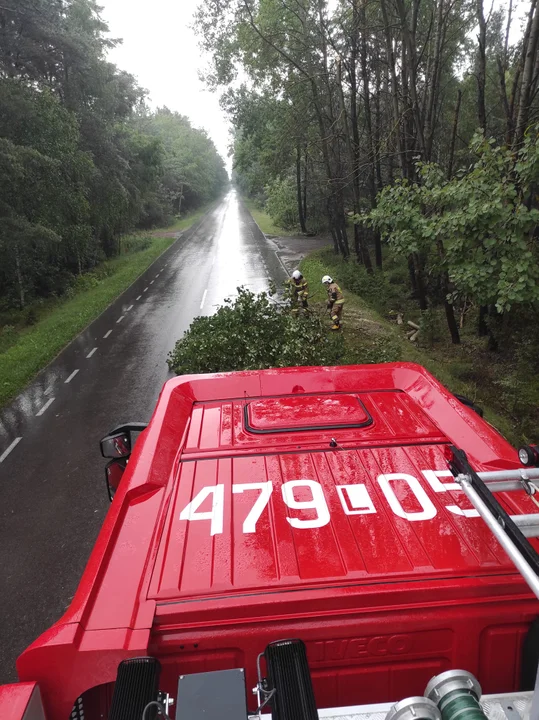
(185, 222)
(24, 351)
(264, 222)
(370, 337)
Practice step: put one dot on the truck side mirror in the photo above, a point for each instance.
(116, 446)
(113, 474)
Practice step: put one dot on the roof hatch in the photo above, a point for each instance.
(295, 413)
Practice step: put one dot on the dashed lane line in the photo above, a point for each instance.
(139, 297)
(129, 308)
(70, 378)
(6, 452)
(45, 407)
(120, 319)
(105, 336)
(91, 353)
(203, 298)
(152, 282)
(145, 289)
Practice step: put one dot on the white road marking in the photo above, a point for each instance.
(49, 390)
(70, 378)
(129, 308)
(203, 299)
(144, 289)
(139, 297)
(91, 353)
(157, 275)
(47, 405)
(13, 445)
(120, 319)
(152, 282)
(105, 336)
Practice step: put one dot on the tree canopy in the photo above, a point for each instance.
(82, 158)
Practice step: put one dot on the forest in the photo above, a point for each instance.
(83, 160)
(399, 126)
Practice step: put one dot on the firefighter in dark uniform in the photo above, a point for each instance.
(299, 292)
(335, 301)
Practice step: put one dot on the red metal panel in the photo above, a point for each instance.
(342, 516)
(390, 418)
(18, 701)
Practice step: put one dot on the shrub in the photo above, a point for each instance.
(251, 332)
(281, 204)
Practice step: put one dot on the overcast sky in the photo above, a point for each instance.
(161, 50)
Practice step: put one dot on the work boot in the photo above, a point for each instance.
(335, 327)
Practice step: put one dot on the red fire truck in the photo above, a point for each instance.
(305, 542)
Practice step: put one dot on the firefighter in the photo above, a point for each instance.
(299, 292)
(335, 301)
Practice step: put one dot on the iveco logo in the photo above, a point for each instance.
(350, 648)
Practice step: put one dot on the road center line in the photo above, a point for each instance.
(105, 336)
(129, 308)
(203, 298)
(157, 275)
(120, 319)
(144, 289)
(47, 405)
(70, 378)
(152, 282)
(13, 445)
(139, 297)
(91, 353)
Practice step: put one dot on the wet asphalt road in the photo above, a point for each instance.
(52, 488)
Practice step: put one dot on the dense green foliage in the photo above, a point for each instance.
(251, 332)
(478, 226)
(82, 160)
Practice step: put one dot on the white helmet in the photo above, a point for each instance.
(297, 275)
(326, 279)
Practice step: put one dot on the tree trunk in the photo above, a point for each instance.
(448, 307)
(298, 186)
(421, 294)
(452, 322)
(481, 66)
(394, 86)
(482, 328)
(433, 83)
(527, 78)
(305, 188)
(352, 146)
(361, 18)
(410, 62)
(377, 127)
(454, 136)
(411, 271)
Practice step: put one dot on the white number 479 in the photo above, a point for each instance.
(216, 514)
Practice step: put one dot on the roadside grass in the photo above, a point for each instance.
(31, 338)
(264, 222)
(184, 222)
(371, 337)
